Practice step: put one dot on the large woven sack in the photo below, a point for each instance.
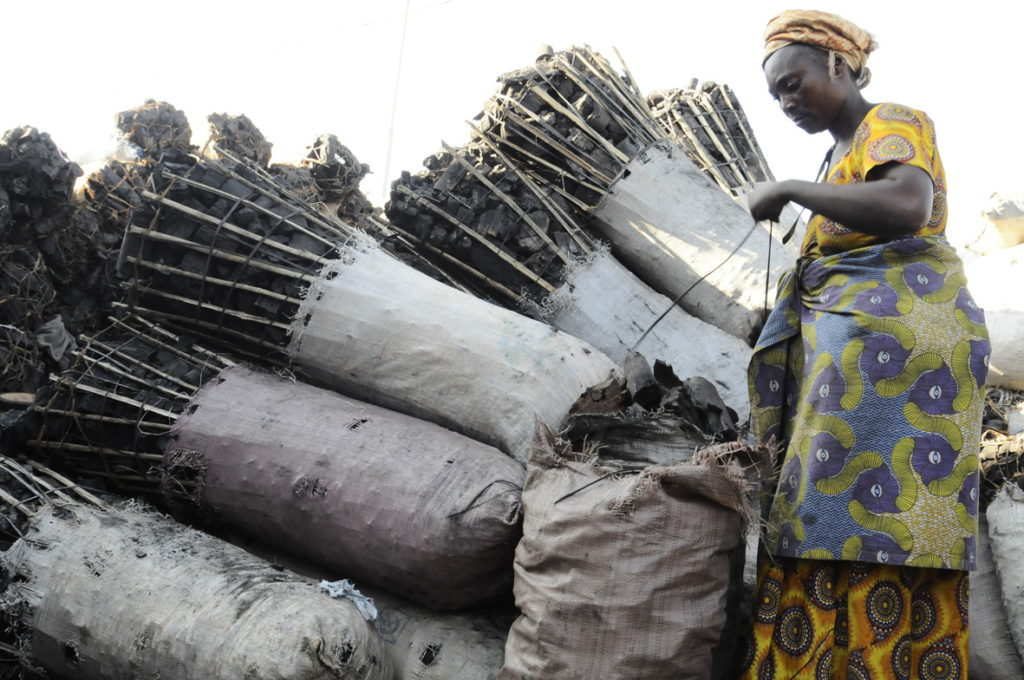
(609, 307)
(124, 594)
(372, 494)
(671, 226)
(993, 656)
(1006, 530)
(621, 575)
(381, 331)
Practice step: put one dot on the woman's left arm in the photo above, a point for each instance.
(895, 201)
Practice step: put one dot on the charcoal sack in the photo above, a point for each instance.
(379, 330)
(677, 250)
(376, 495)
(621, 573)
(1006, 533)
(128, 594)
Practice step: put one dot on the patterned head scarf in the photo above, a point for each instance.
(825, 31)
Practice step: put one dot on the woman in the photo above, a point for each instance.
(869, 373)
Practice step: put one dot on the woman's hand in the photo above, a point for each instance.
(766, 200)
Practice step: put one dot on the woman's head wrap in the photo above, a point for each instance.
(825, 31)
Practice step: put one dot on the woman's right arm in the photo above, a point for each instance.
(896, 200)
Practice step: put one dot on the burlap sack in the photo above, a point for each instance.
(372, 494)
(621, 575)
(124, 594)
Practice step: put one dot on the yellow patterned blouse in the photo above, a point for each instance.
(889, 133)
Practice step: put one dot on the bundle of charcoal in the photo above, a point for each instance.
(337, 173)
(106, 417)
(488, 224)
(588, 520)
(34, 173)
(51, 256)
(112, 192)
(572, 120)
(147, 412)
(221, 246)
(493, 229)
(709, 122)
(239, 136)
(583, 131)
(299, 178)
(156, 127)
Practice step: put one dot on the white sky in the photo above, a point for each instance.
(301, 68)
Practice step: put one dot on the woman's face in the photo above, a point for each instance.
(798, 79)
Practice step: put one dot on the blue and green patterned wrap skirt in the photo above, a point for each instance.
(870, 374)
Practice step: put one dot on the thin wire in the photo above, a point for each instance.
(394, 99)
(692, 286)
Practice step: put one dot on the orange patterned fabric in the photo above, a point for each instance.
(825, 620)
(823, 30)
(889, 133)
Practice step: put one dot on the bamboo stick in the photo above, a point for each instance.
(111, 420)
(209, 306)
(168, 269)
(700, 116)
(741, 120)
(561, 173)
(86, 448)
(560, 149)
(199, 323)
(222, 254)
(639, 114)
(315, 216)
(127, 374)
(15, 503)
(71, 485)
(582, 124)
(203, 363)
(114, 396)
(10, 463)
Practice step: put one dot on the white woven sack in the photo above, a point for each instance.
(609, 307)
(381, 331)
(993, 656)
(124, 594)
(1006, 530)
(670, 225)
